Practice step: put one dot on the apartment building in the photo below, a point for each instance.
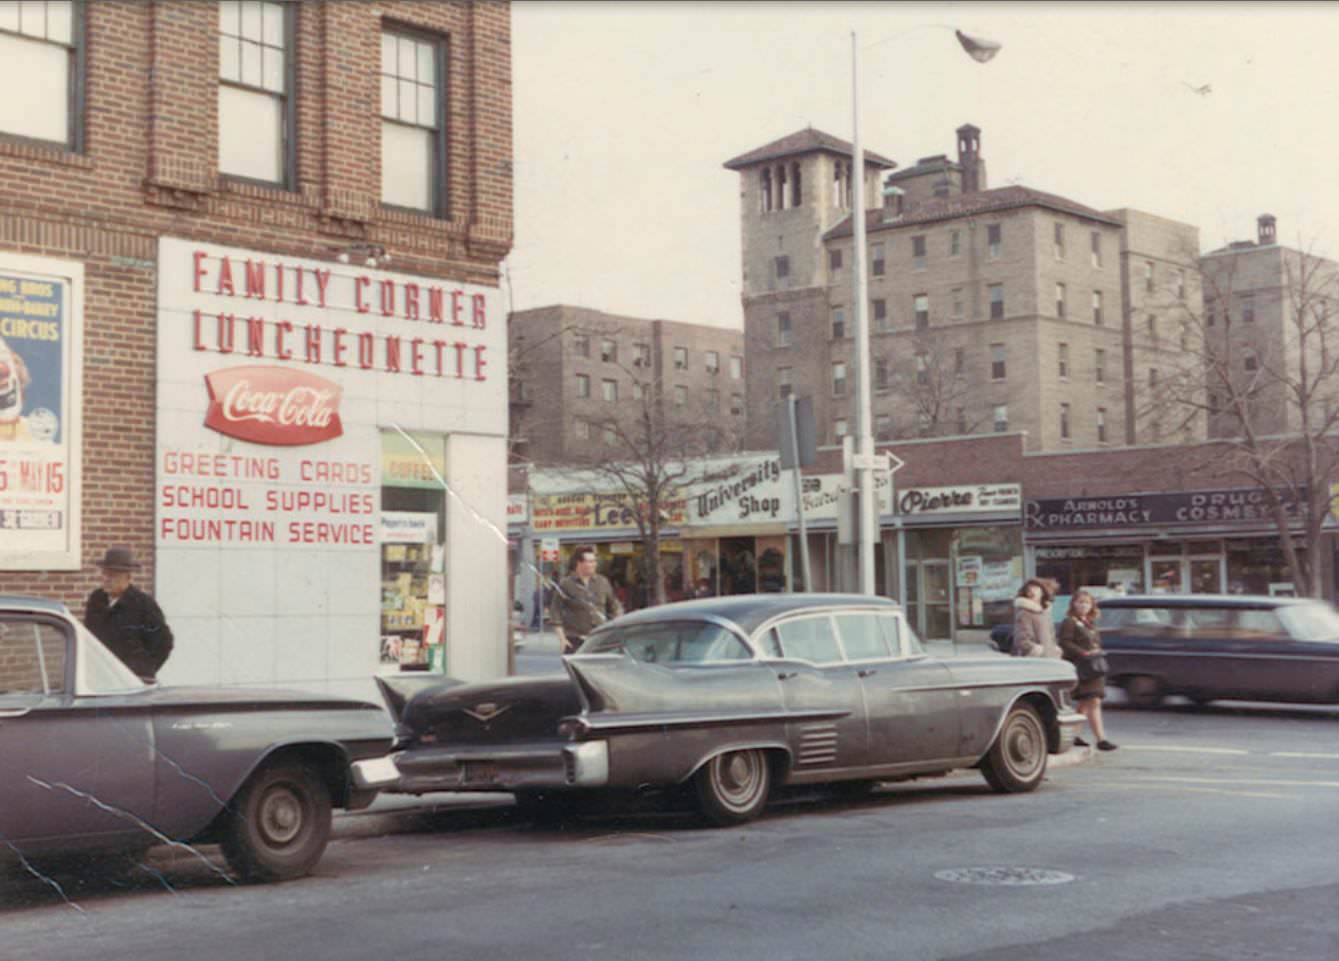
(581, 379)
(990, 310)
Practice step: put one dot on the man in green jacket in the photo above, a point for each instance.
(583, 600)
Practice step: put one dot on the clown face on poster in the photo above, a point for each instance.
(40, 327)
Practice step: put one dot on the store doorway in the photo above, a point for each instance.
(929, 599)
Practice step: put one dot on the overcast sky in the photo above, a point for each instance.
(624, 113)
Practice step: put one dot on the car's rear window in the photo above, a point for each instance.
(670, 642)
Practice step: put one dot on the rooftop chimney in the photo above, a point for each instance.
(1265, 229)
(969, 158)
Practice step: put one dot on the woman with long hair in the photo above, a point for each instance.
(1034, 634)
(1081, 643)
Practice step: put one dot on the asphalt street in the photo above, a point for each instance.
(1209, 834)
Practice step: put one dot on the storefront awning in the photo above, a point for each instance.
(735, 530)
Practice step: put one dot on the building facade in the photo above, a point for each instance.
(583, 381)
(249, 260)
(991, 310)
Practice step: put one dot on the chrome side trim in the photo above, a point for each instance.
(608, 722)
(1127, 652)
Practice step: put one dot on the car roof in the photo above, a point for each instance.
(749, 611)
(29, 603)
(1201, 600)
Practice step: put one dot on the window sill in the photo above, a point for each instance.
(261, 190)
(12, 145)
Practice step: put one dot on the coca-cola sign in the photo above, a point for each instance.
(278, 406)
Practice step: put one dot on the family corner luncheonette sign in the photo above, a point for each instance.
(41, 398)
(277, 377)
(974, 498)
(1238, 506)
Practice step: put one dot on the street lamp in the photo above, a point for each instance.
(865, 462)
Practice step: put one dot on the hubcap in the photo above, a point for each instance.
(281, 815)
(1023, 747)
(738, 779)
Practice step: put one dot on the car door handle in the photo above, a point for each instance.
(786, 675)
(866, 671)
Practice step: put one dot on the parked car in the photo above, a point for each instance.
(732, 696)
(96, 760)
(1208, 647)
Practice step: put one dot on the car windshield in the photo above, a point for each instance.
(1311, 622)
(669, 642)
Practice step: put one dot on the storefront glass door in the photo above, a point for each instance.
(928, 599)
(1206, 575)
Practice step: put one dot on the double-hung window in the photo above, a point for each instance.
(256, 117)
(413, 121)
(41, 70)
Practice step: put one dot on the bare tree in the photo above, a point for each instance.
(1258, 364)
(653, 448)
(931, 391)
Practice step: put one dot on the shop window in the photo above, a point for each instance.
(413, 122)
(413, 539)
(42, 55)
(256, 119)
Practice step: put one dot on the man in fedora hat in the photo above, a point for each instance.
(125, 618)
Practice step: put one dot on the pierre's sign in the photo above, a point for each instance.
(959, 500)
(277, 406)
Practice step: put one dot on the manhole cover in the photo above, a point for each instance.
(1004, 875)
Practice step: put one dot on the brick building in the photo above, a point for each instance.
(580, 374)
(990, 309)
(215, 215)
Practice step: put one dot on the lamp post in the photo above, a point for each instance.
(865, 462)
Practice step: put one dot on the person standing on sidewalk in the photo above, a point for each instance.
(583, 601)
(1034, 633)
(126, 619)
(1081, 642)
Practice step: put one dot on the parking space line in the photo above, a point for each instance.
(1225, 782)
(1305, 754)
(1184, 748)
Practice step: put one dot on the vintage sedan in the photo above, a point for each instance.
(1208, 647)
(95, 760)
(731, 696)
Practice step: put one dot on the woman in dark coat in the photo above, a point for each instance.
(1080, 640)
(1034, 634)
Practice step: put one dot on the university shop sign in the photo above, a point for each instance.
(1240, 506)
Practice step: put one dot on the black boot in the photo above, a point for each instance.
(1105, 745)
(1080, 742)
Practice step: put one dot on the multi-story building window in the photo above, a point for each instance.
(610, 437)
(42, 67)
(680, 395)
(581, 345)
(1001, 418)
(583, 385)
(918, 258)
(1153, 329)
(609, 389)
(1101, 425)
(781, 267)
(713, 362)
(1180, 284)
(955, 243)
(962, 420)
(1250, 360)
(783, 329)
(796, 194)
(922, 369)
(1059, 241)
(835, 259)
(737, 404)
(1248, 308)
(959, 360)
(998, 353)
(993, 240)
(920, 304)
(883, 426)
(1060, 300)
(1152, 378)
(1210, 312)
(680, 358)
(713, 400)
(581, 428)
(638, 391)
(641, 355)
(1097, 307)
(839, 379)
(1100, 365)
(878, 308)
(876, 266)
(881, 373)
(1062, 361)
(1064, 422)
(413, 122)
(1148, 276)
(256, 121)
(736, 367)
(783, 385)
(1096, 241)
(609, 351)
(765, 189)
(996, 301)
(838, 323)
(839, 429)
(958, 309)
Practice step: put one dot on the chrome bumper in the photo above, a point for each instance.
(1070, 723)
(583, 764)
(374, 773)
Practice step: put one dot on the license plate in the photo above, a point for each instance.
(478, 772)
